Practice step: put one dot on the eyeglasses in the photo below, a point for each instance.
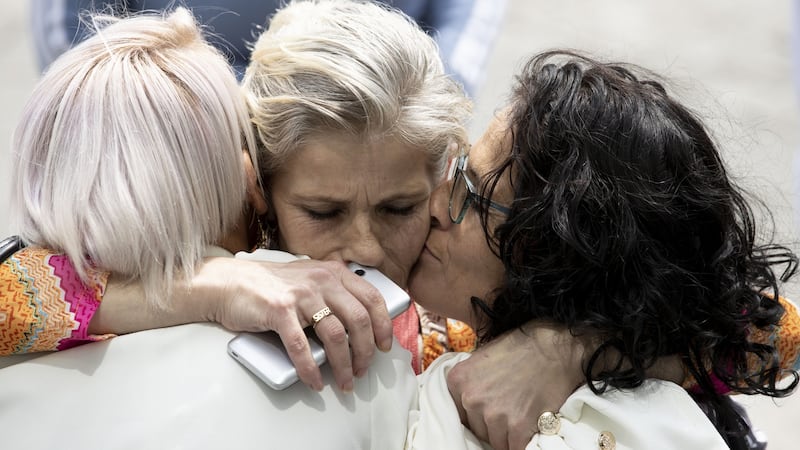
(464, 194)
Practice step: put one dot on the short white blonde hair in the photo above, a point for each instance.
(352, 67)
(128, 153)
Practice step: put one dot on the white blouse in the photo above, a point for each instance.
(656, 415)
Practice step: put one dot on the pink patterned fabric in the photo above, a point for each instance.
(406, 330)
(83, 300)
(44, 305)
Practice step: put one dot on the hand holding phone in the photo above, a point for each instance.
(265, 356)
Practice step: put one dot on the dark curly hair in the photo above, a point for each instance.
(626, 227)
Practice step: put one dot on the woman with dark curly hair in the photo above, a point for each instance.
(601, 204)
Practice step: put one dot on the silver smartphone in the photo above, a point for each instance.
(264, 355)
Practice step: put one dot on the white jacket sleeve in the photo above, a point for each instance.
(657, 415)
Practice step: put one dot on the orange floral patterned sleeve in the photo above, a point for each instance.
(44, 306)
(789, 338)
(785, 337)
(440, 335)
(427, 336)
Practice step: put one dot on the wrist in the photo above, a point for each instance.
(124, 308)
(202, 298)
(562, 347)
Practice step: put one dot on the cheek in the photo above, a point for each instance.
(427, 283)
(470, 270)
(477, 267)
(409, 237)
(432, 286)
(402, 242)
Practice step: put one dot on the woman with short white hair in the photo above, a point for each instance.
(130, 144)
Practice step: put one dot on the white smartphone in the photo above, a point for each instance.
(264, 355)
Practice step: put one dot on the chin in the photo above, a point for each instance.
(427, 294)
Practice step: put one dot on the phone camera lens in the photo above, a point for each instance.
(360, 272)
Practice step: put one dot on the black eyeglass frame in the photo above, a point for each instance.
(472, 194)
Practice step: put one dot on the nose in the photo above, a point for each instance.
(363, 245)
(440, 213)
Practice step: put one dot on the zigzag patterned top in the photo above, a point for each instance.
(44, 306)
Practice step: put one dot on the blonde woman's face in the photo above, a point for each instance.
(337, 198)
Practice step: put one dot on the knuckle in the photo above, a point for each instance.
(306, 371)
(359, 318)
(279, 314)
(372, 296)
(282, 304)
(298, 292)
(303, 369)
(364, 354)
(479, 400)
(471, 403)
(296, 343)
(321, 274)
(456, 377)
(336, 334)
(497, 418)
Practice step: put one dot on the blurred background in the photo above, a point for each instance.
(731, 60)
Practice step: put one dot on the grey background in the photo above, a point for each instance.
(729, 59)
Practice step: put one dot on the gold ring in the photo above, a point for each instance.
(319, 315)
(549, 423)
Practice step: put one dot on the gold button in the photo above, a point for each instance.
(549, 423)
(606, 441)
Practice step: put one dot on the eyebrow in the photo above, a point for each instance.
(472, 175)
(318, 199)
(418, 194)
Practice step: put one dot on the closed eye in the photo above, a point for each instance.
(323, 215)
(400, 210)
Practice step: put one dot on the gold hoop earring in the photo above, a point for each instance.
(263, 234)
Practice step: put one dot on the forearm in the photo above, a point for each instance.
(124, 309)
(45, 306)
(574, 353)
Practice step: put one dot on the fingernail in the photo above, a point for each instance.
(385, 345)
(347, 388)
(360, 372)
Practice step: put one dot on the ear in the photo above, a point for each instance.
(255, 194)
